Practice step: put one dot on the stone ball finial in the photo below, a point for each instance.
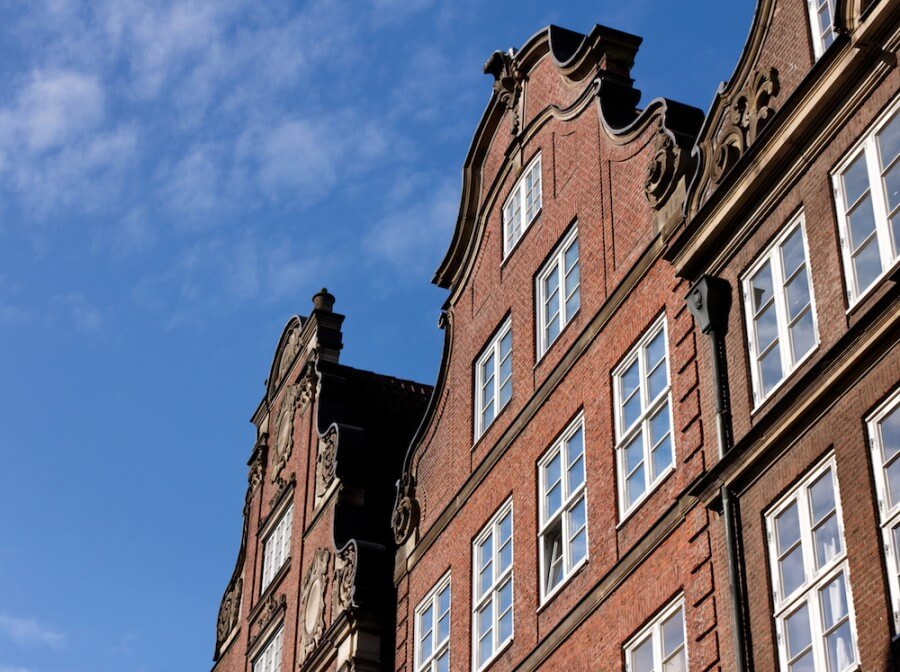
(323, 301)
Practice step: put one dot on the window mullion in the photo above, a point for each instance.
(876, 188)
(781, 312)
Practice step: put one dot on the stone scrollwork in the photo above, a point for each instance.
(289, 353)
(229, 612)
(667, 164)
(504, 67)
(344, 577)
(307, 386)
(749, 112)
(257, 466)
(326, 461)
(284, 432)
(312, 603)
(405, 517)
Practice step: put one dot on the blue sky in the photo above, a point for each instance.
(177, 179)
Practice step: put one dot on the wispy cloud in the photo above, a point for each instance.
(29, 631)
(410, 237)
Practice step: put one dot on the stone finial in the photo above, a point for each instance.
(323, 300)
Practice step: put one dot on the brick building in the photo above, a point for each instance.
(665, 430)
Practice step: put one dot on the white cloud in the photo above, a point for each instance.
(51, 110)
(28, 631)
(75, 308)
(410, 237)
(6, 668)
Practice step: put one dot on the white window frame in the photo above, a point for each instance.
(819, 47)
(492, 348)
(438, 647)
(654, 630)
(624, 435)
(492, 594)
(789, 363)
(869, 147)
(814, 579)
(557, 264)
(275, 557)
(889, 515)
(559, 447)
(271, 658)
(519, 196)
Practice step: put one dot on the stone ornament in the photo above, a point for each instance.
(667, 164)
(312, 602)
(270, 610)
(344, 577)
(326, 461)
(257, 466)
(405, 517)
(229, 612)
(307, 386)
(748, 114)
(289, 353)
(284, 432)
(502, 65)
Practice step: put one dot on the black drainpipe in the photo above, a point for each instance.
(710, 301)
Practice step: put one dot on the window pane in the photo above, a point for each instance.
(673, 633)
(828, 541)
(867, 264)
(505, 345)
(578, 548)
(634, 453)
(804, 664)
(787, 528)
(892, 475)
(575, 456)
(656, 350)
(573, 302)
(890, 434)
(485, 623)
(642, 657)
(793, 255)
(571, 256)
(576, 516)
(834, 601)
(821, 496)
(505, 392)
(803, 336)
(797, 294)
(487, 416)
(631, 378)
(634, 486)
(892, 187)
(766, 327)
(889, 141)
(443, 663)
(657, 382)
(661, 457)
(862, 222)
(856, 180)
(770, 369)
(792, 574)
(797, 631)
(839, 645)
(677, 663)
(506, 622)
(761, 288)
(443, 630)
(505, 598)
(505, 527)
(631, 410)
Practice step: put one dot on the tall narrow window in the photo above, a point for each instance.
(644, 445)
(277, 547)
(821, 20)
(563, 530)
(492, 581)
(781, 320)
(493, 378)
(661, 645)
(522, 206)
(269, 660)
(810, 577)
(433, 629)
(884, 439)
(558, 291)
(867, 189)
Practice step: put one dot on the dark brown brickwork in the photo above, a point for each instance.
(662, 197)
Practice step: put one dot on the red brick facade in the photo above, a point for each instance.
(669, 204)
